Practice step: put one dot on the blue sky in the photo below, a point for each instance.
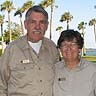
(82, 10)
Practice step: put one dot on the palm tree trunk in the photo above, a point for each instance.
(2, 38)
(83, 49)
(51, 20)
(67, 24)
(9, 24)
(95, 32)
(22, 25)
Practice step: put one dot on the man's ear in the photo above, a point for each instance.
(47, 25)
(25, 24)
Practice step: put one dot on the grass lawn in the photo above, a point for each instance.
(90, 58)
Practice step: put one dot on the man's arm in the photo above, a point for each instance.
(4, 73)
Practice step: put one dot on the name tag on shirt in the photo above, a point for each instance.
(62, 79)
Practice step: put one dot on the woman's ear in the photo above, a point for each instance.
(80, 50)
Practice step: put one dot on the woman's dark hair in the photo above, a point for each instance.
(69, 35)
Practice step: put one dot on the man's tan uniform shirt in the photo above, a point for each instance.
(25, 73)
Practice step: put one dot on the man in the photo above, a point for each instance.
(27, 65)
(74, 75)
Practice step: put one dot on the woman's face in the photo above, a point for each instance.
(70, 50)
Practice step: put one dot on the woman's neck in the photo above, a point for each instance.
(72, 64)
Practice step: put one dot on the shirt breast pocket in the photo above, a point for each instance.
(24, 66)
(22, 70)
(63, 83)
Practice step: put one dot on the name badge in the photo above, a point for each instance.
(62, 79)
(25, 61)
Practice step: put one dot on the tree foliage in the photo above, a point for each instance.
(93, 23)
(16, 32)
(8, 6)
(59, 28)
(66, 17)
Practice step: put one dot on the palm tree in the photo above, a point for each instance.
(19, 12)
(1, 24)
(93, 23)
(59, 28)
(27, 5)
(81, 26)
(66, 17)
(8, 6)
(45, 4)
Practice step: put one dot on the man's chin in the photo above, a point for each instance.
(35, 40)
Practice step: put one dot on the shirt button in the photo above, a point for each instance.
(41, 93)
(39, 68)
(40, 80)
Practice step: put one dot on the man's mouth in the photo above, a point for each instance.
(37, 31)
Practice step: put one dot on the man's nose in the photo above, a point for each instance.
(37, 25)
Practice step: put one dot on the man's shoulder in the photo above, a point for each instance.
(49, 42)
(19, 41)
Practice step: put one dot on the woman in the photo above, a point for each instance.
(74, 75)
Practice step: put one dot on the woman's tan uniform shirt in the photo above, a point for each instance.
(80, 81)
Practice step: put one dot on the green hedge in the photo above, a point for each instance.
(90, 58)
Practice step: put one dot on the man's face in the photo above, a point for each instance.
(36, 25)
